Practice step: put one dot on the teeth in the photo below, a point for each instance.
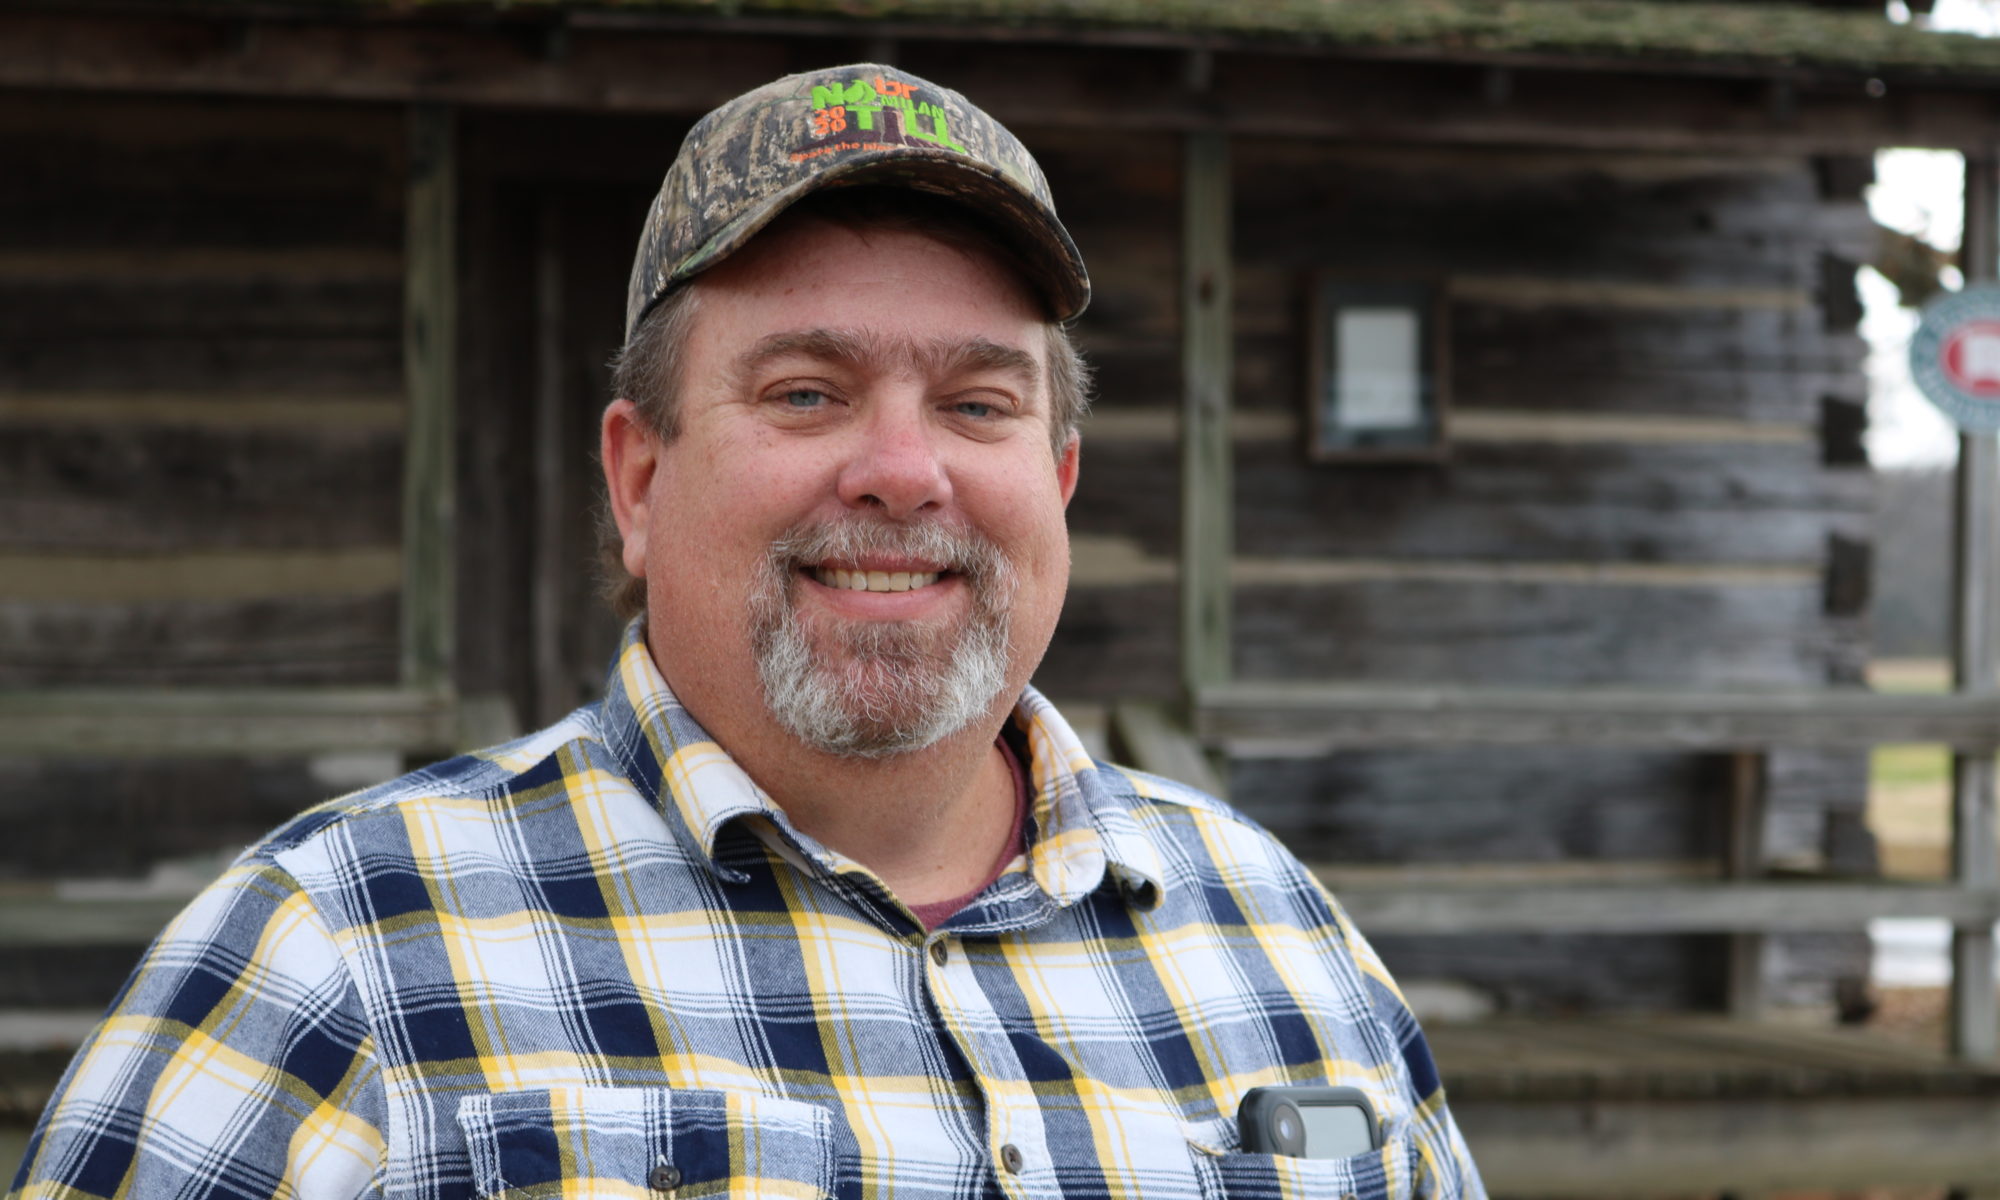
(874, 581)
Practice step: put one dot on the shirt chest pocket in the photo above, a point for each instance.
(646, 1142)
(1385, 1174)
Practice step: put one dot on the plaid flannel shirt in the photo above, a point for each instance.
(599, 962)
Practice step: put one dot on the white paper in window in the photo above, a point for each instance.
(1379, 376)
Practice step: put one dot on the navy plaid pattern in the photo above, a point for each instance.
(598, 962)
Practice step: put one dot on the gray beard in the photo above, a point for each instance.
(880, 689)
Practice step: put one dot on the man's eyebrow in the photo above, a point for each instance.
(832, 345)
(940, 356)
(979, 354)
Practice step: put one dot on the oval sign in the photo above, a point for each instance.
(1955, 356)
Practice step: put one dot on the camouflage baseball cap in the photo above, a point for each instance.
(755, 156)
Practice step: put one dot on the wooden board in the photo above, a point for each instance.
(1662, 908)
(1716, 503)
(1664, 1058)
(140, 487)
(83, 817)
(1447, 632)
(297, 640)
(1471, 805)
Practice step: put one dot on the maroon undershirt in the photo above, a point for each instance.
(938, 912)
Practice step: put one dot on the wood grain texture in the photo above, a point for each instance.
(146, 488)
(1108, 642)
(1719, 503)
(297, 640)
(1305, 714)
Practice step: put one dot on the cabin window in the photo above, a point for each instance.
(1378, 371)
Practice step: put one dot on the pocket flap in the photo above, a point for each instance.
(647, 1142)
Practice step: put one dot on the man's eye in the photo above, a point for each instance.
(804, 398)
(974, 408)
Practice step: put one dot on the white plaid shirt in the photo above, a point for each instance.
(599, 962)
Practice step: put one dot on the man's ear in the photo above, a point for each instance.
(629, 450)
(1066, 467)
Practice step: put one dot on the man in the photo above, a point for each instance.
(821, 899)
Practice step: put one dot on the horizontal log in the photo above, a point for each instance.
(1104, 563)
(138, 185)
(187, 265)
(1611, 506)
(1115, 642)
(152, 410)
(1660, 908)
(1329, 715)
(219, 575)
(162, 819)
(682, 66)
(1428, 811)
(1539, 291)
(341, 639)
(153, 307)
(232, 721)
(1590, 1148)
(89, 488)
(1570, 231)
(1590, 428)
(36, 921)
(74, 358)
(1147, 423)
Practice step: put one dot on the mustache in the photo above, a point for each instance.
(955, 548)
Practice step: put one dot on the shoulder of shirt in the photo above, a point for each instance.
(474, 776)
(1162, 803)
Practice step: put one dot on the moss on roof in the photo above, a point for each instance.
(1761, 34)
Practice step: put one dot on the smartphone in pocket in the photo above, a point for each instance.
(1308, 1122)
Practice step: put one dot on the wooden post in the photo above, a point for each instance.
(1975, 1024)
(430, 326)
(1207, 509)
(1745, 860)
(550, 564)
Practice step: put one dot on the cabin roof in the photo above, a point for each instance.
(1757, 36)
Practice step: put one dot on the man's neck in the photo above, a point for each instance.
(928, 823)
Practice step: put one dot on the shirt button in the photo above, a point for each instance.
(939, 954)
(663, 1178)
(1010, 1158)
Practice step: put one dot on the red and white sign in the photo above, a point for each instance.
(1955, 356)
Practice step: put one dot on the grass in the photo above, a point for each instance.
(1909, 787)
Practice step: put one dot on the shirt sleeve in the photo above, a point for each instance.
(1448, 1170)
(236, 1061)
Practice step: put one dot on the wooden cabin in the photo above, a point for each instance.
(1476, 487)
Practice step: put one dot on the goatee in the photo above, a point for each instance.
(876, 689)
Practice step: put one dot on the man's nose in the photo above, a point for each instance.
(895, 468)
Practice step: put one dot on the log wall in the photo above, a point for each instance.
(1651, 479)
(1651, 475)
(201, 392)
(201, 432)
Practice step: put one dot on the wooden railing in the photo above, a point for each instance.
(1318, 717)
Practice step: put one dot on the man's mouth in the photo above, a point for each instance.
(873, 581)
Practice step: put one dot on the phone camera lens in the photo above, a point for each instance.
(1289, 1130)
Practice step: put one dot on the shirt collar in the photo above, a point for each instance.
(1083, 811)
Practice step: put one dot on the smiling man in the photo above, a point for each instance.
(822, 899)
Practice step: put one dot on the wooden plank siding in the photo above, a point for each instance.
(1649, 496)
(184, 269)
(201, 443)
(206, 254)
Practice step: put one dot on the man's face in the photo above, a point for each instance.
(860, 526)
